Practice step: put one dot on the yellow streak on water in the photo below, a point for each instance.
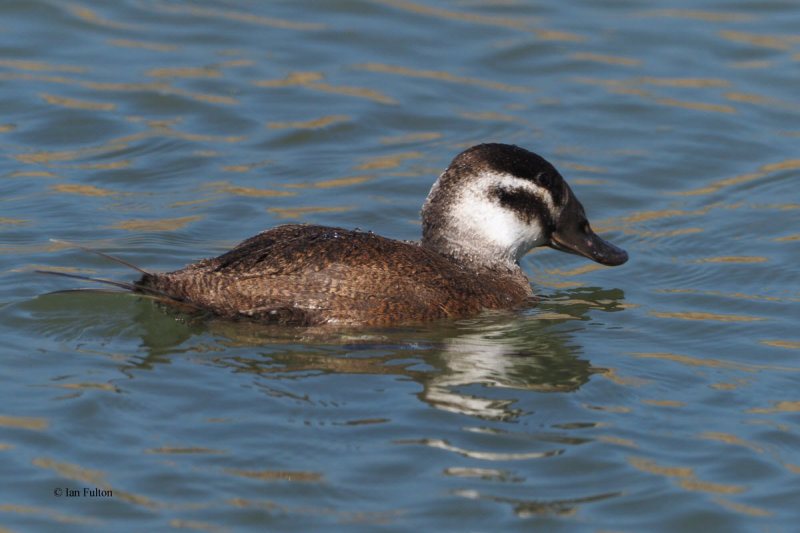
(45, 157)
(659, 82)
(648, 465)
(294, 78)
(43, 511)
(165, 224)
(794, 345)
(33, 174)
(87, 385)
(246, 168)
(608, 408)
(343, 517)
(275, 475)
(184, 72)
(632, 86)
(298, 212)
(728, 386)
(309, 124)
(705, 486)
(85, 190)
(632, 90)
(715, 363)
(412, 137)
(686, 477)
(582, 168)
(239, 16)
(77, 104)
(717, 108)
(791, 467)
(506, 22)
(741, 508)
(184, 450)
(196, 525)
(644, 216)
(658, 234)
(664, 403)
(731, 259)
(752, 64)
(40, 66)
(555, 316)
(587, 181)
(783, 42)
(696, 14)
(779, 407)
(611, 374)
(100, 166)
(450, 14)
(71, 471)
(381, 162)
(332, 183)
(369, 94)
(440, 75)
(779, 207)
(310, 80)
(252, 192)
(558, 284)
(730, 439)
(236, 63)
(691, 315)
(415, 7)
(577, 271)
(24, 422)
(54, 268)
(757, 99)
(163, 129)
(157, 129)
(156, 47)
(612, 60)
(489, 115)
(5, 220)
(787, 164)
(147, 87)
(88, 15)
(94, 477)
(617, 440)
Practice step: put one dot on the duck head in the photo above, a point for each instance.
(495, 202)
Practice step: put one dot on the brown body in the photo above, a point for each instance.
(311, 275)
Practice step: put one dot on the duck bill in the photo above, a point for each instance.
(583, 241)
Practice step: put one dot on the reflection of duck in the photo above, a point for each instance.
(492, 205)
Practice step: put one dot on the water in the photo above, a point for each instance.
(656, 396)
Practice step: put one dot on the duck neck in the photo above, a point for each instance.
(457, 245)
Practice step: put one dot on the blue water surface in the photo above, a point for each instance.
(661, 395)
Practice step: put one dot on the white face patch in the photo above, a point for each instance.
(485, 225)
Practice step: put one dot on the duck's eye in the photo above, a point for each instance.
(585, 227)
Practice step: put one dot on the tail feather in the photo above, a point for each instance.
(120, 284)
(101, 254)
(142, 292)
(140, 289)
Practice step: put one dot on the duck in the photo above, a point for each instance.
(493, 204)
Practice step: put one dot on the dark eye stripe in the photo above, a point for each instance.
(525, 203)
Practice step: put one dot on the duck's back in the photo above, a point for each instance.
(308, 275)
